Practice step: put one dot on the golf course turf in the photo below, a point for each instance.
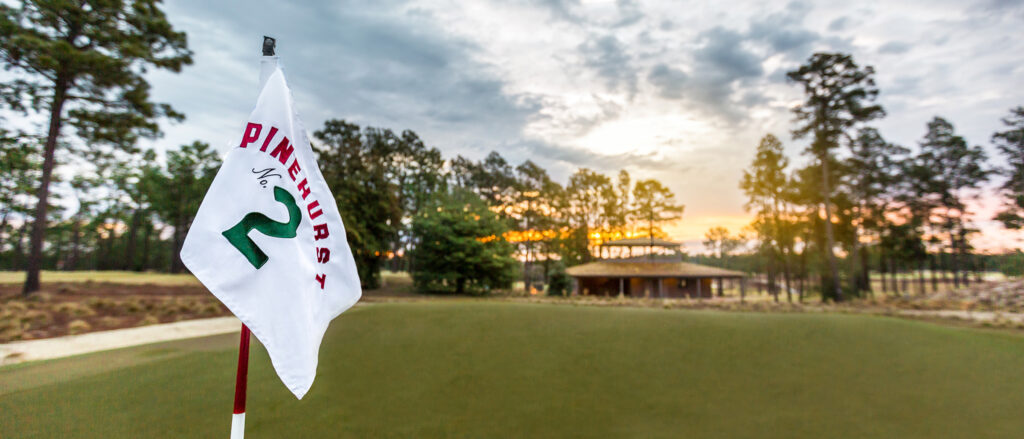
(478, 369)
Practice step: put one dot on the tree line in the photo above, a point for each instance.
(862, 204)
(401, 199)
(391, 190)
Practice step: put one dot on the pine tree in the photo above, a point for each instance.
(654, 204)
(1011, 145)
(838, 95)
(955, 170)
(82, 63)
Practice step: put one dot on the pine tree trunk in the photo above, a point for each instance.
(129, 262)
(965, 258)
(803, 272)
(954, 262)
(76, 239)
(785, 277)
(526, 261)
(935, 273)
(881, 270)
(833, 266)
(179, 239)
(57, 250)
(920, 278)
(865, 271)
(944, 268)
(176, 264)
(35, 259)
(3, 226)
(897, 269)
(108, 250)
(147, 232)
(893, 273)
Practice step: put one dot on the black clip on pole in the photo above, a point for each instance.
(268, 46)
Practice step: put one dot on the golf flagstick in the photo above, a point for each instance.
(241, 379)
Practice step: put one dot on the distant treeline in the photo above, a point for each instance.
(862, 204)
(133, 214)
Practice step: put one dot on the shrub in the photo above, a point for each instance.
(210, 308)
(132, 305)
(74, 309)
(167, 308)
(78, 326)
(558, 281)
(111, 321)
(36, 317)
(1011, 264)
(10, 328)
(40, 296)
(149, 319)
(190, 306)
(100, 303)
(15, 306)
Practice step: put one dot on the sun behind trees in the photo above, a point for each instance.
(389, 186)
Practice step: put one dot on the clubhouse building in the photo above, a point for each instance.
(656, 272)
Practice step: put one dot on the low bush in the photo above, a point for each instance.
(100, 303)
(78, 326)
(15, 306)
(112, 322)
(75, 309)
(36, 317)
(10, 328)
(210, 309)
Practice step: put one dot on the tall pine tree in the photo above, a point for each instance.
(838, 97)
(82, 63)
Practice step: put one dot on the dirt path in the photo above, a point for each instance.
(974, 316)
(34, 350)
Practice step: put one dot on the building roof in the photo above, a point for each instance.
(640, 242)
(649, 269)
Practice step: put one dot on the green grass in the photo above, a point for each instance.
(476, 369)
(117, 277)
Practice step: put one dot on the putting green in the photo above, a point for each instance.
(478, 369)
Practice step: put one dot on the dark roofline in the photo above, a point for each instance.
(641, 242)
(681, 270)
(664, 276)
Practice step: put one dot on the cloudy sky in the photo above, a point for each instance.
(673, 90)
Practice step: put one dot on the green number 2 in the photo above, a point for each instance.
(238, 235)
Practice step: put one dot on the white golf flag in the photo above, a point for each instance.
(268, 240)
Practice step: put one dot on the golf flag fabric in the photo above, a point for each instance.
(269, 242)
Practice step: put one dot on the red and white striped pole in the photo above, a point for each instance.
(238, 416)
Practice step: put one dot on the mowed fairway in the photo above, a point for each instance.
(477, 370)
